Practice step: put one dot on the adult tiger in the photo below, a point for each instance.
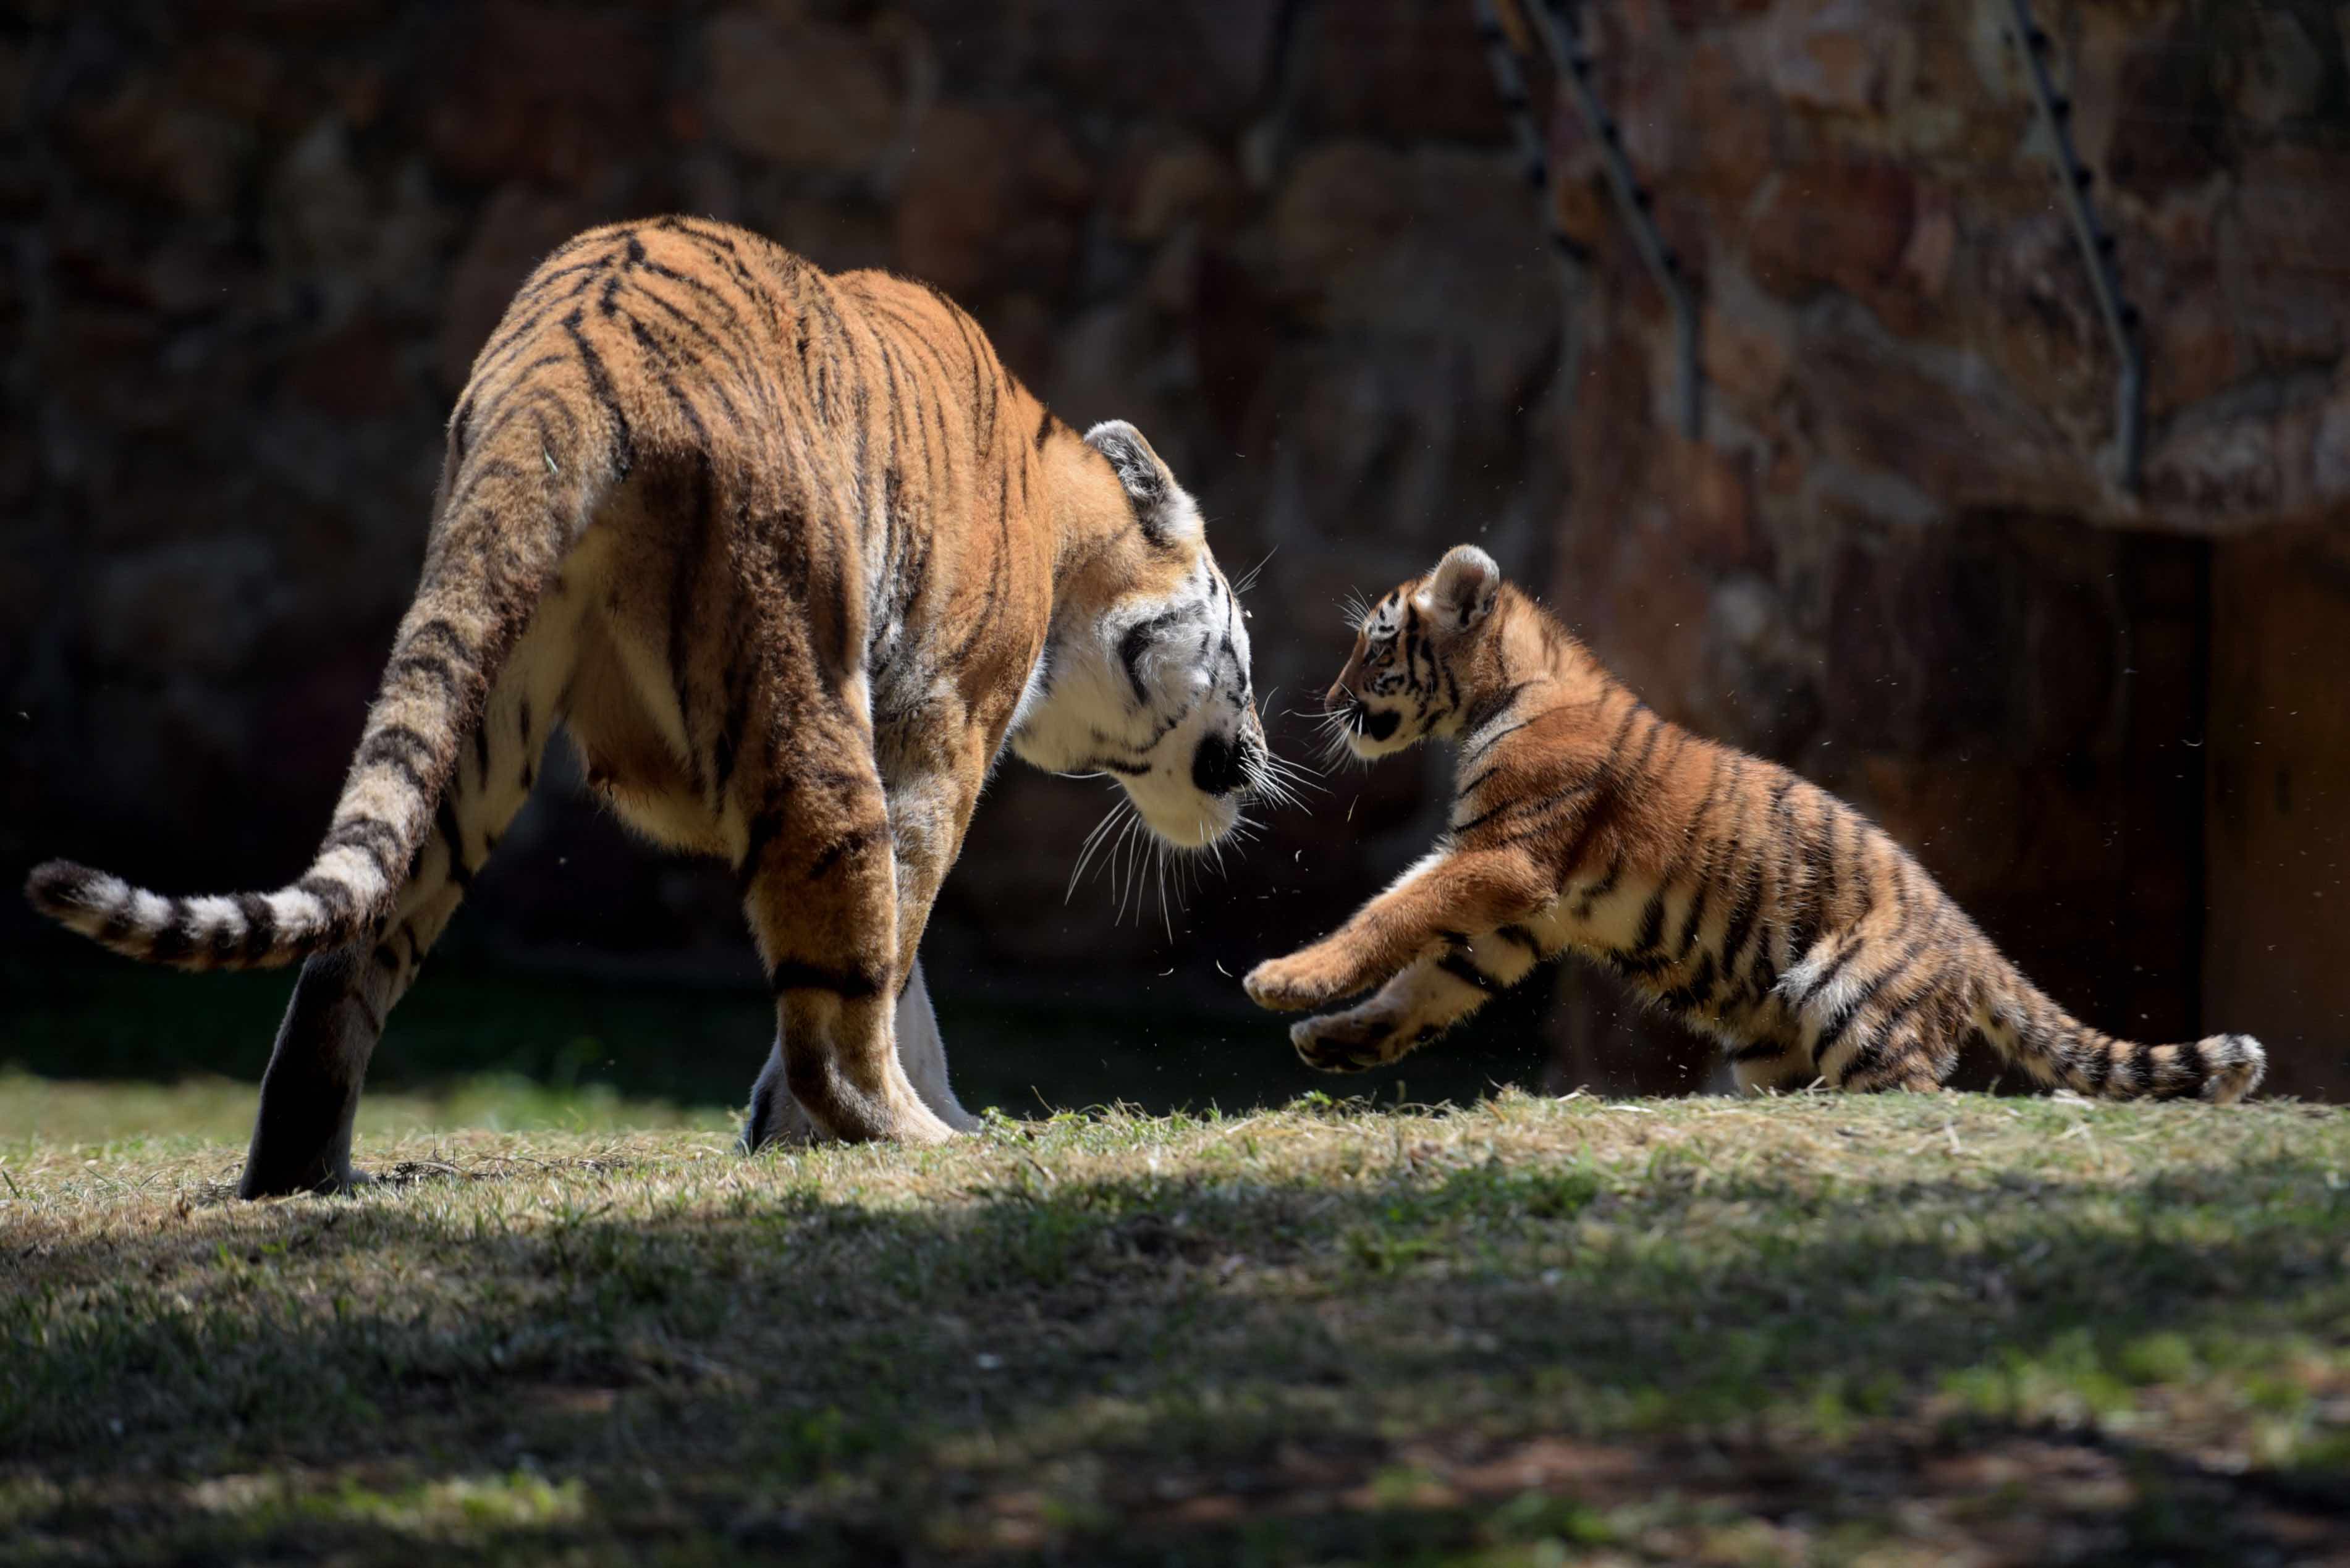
(792, 555)
(1725, 889)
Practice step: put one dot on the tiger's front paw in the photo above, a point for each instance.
(1298, 983)
(1341, 1043)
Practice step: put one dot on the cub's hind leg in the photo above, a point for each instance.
(1438, 991)
(310, 1093)
(1882, 1008)
(1907, 1046)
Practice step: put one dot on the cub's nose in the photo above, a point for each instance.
(1337, 696)
(1216, 766)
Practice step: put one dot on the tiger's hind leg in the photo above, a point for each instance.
(1905, 1053)
(310, 1093)
(1889, 1017)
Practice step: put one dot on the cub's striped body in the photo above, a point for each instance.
(1750, 904)
(784, 551)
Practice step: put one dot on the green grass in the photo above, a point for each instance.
(1867, 1330)
(145, 1117)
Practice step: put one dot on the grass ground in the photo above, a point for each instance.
(1945, 1329)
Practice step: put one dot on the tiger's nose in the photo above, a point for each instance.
(1216, 766)
(1337, 696)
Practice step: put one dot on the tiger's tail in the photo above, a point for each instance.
(2031, 1030)
(509, 510)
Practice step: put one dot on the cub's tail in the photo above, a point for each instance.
(2060, 1051)
(504, 519)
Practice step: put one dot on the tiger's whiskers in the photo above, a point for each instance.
(1248, 578)
(1120, 807)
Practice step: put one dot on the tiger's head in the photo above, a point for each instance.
(1146, 674)
(1416, 664)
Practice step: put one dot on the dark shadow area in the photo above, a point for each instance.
(761, 1367)
(1017, 1046)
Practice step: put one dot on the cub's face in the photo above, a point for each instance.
(1402, 683)
(1147, 679)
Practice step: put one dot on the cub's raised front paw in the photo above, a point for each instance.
(1293, 984)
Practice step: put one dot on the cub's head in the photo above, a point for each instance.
(1145, 675)
(1410, 676)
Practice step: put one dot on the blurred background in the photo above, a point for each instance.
(253, 244)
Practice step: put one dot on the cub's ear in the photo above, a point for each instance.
(1462, 589)
(1160, 508)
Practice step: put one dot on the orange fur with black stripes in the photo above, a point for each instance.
(794, 558)
(1736, 897)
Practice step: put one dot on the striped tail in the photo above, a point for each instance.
(2060, 1051)
(509, 510)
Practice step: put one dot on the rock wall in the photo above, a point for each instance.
(1900, 557)
(253, 243)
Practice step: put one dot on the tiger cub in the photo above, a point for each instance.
(795, 559)
(1738, 897)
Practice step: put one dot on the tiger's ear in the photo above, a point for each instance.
(1160, 508)
(1463, 589)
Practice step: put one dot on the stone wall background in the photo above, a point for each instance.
(251, 245)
